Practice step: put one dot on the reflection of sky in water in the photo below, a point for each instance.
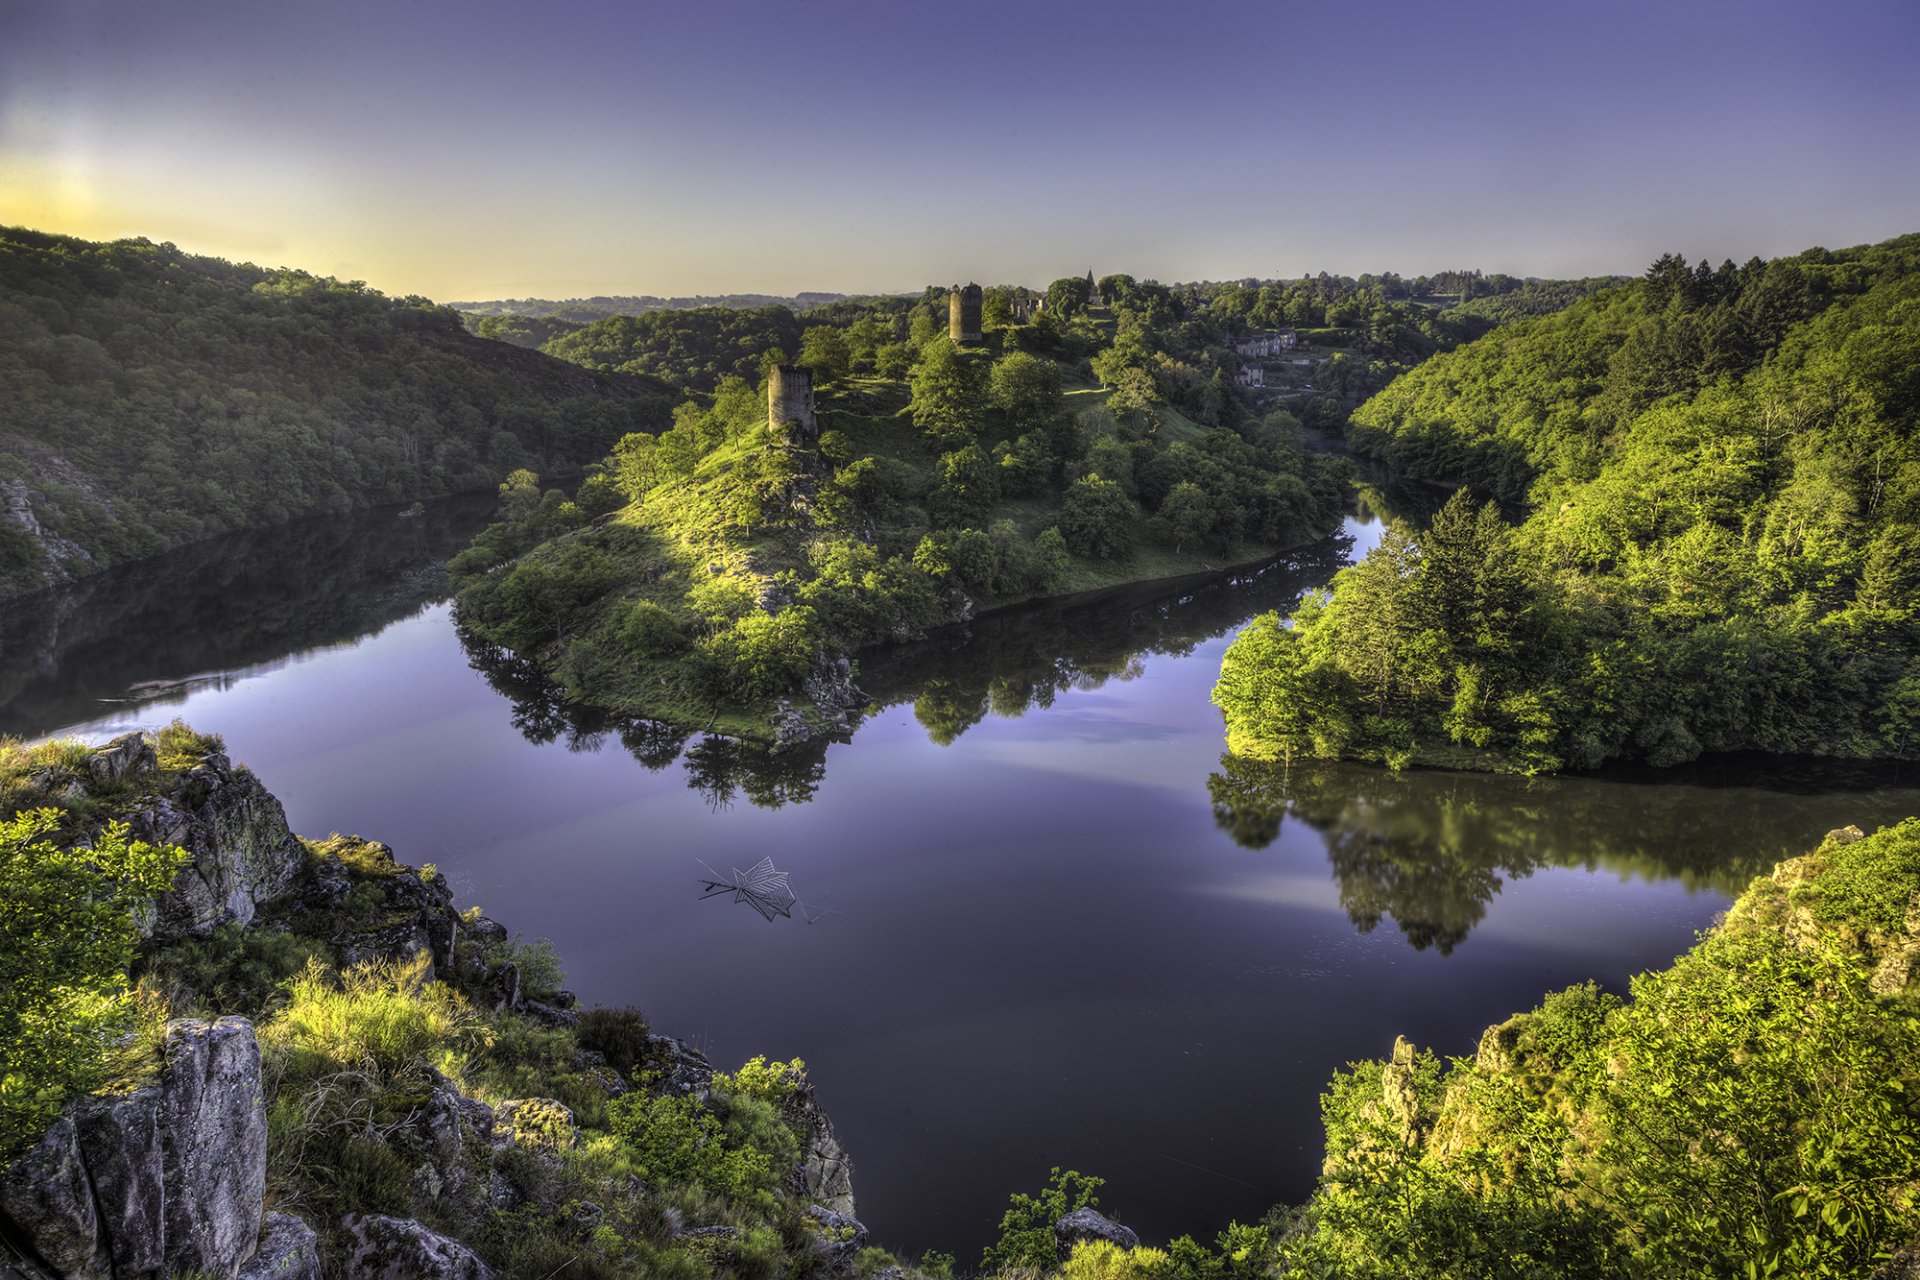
(1043, 950)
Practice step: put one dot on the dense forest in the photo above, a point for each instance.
(155, 398)
(1720, 476)
(722, 565)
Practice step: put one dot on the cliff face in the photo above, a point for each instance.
(166, 1180)
(172, 1177)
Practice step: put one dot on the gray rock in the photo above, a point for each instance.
(167, 1180)
(825, 1174)
(130, 753)
(1904, 1265)
(47, 1198)
(241, 853)
(710, 1233)
(839, 1236)
(487, 932)
(383, 1248)
(683, 1070)
(289, 1250)
(790, 728)
(1086, 1224)
(503, 987)
(214, 1144)
(121, 1143)
(548, 1015)
(398, 942)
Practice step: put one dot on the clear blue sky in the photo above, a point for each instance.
(473, 150)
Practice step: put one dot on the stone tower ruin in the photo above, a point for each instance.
(963, 314)
(790, 405)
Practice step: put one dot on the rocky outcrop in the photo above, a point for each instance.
(838, 1238)
(384, 1248)
(241, 854)
(1086, 1224)
(825, 1174)
(166, 1180)
(289, 1250)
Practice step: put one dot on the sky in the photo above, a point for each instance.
(469, 150)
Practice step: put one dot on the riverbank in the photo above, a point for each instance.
(401, 1082)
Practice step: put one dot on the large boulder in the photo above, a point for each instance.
(166, 1180)
(1086, 1224)
(383, 1248)
(122, 1146)
(47, 1198)
(213, 1122)
(289, 1250)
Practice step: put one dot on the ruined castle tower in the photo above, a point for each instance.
(790, 405)
(963, 314)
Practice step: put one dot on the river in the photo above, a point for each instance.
(1041, 921)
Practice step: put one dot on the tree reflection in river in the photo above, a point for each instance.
(1431, 848)
(1002, 664)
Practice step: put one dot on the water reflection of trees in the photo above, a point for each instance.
(1431, 848)
(1003, 664)
(243, 601)
(718, 767)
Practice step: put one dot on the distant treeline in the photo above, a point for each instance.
(600, 306)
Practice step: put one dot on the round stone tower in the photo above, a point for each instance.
(790, 404)
(963, 314)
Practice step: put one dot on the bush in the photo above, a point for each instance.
(620, 1034)
(1026, 1228)
(66, 938)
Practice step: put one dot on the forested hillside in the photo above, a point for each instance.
(1721, 550)
(706, 573)
(154, 398)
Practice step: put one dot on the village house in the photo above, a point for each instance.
(1261, 346)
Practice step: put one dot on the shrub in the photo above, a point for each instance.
(1026, 1228)
(66, 938)
(620, 1034)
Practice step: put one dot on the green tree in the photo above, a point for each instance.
(949, 392)
(66, 938)
(1027, 389)
(828, 350)
(1026, 1228)
(1098, 519)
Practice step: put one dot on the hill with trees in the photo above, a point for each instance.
(155, 398)
(1720, 476)
(700, 576)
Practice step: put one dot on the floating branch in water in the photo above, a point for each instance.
(759, 886)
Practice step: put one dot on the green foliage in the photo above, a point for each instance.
(156, 398)
(1750, 1112)
(695, 347)
(740, 560)
(949, 393)
(1104, 1260)
(66, 939)
(1097, 519)
(761, 654)
(382, 1019)
(1724, 510)
(1026, 1228)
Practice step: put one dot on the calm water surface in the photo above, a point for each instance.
(1042, 922)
